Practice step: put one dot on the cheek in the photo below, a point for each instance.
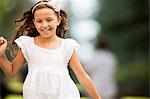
(37, 25)
(55, 24)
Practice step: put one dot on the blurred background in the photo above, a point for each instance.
(114, 39)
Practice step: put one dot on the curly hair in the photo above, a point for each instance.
(26, 25)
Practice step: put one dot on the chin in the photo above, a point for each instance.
(46, 35)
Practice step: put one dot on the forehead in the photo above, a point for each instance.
(44, 12)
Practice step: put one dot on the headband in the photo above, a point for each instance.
(54, 3)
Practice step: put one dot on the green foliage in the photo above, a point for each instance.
(134, 97)
(133, 78)
(3, 5)
(14, 97)
(10, 10)
(125, 24)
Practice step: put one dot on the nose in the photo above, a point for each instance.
(44, 24)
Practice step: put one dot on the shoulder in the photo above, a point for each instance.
(24, 38)
(71, 44)
(70, 41)
(24, 41)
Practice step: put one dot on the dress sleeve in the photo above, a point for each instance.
(23, 43)
(72, 45)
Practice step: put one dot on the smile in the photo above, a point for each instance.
(45, 30)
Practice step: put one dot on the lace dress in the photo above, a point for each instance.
(48, 76)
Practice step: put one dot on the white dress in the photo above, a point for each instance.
(48, 76)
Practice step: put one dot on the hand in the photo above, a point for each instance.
(3, 46)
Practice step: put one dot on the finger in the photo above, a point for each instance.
(2, 40)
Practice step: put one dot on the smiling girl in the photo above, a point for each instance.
(48, 54)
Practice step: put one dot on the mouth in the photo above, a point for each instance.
(46, 31)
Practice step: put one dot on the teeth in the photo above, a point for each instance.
(46, 30)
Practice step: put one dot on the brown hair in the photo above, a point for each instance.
(26, 25)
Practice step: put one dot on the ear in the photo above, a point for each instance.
(59, 19)
(33, 21)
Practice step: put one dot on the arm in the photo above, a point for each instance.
(83, 77)
(10, 68)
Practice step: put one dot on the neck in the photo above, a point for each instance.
(47, 40)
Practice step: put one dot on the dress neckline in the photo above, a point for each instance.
(46, 49)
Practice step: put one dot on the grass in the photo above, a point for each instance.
(14, 97)
(134, 97)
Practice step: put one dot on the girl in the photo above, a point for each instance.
(48, 54)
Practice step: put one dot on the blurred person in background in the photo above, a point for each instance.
(102, 69)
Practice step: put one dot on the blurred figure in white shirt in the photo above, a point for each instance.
(102, 69)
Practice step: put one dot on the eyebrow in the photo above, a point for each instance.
(46, 18)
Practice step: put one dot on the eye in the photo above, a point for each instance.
(38, 21)
(49, 20)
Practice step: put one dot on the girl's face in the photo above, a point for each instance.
(46, 22)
